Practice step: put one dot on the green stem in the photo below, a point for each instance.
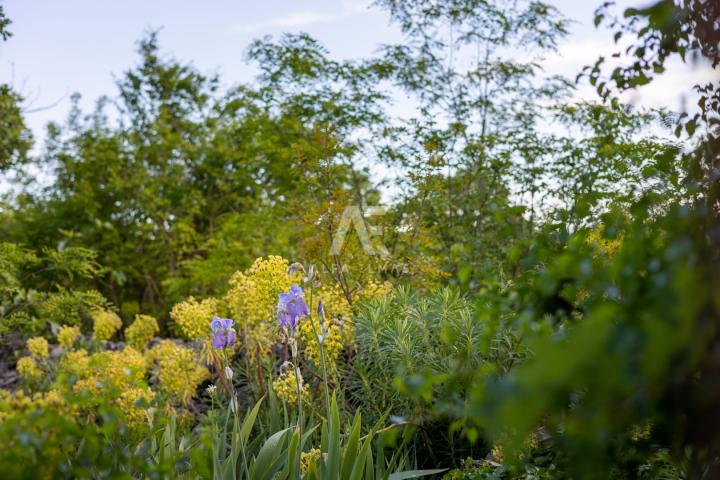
(322, 355)
(296, 370)
(242, 451)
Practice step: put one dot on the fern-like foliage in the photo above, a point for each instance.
(411, 334)
(407, 338)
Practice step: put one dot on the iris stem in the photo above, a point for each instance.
(296, 370)
(322, 353)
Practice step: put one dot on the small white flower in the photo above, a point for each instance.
(211, 389)
(311, 274)
(229, 373)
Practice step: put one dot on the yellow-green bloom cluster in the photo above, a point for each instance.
(309, 460)
(286, 387)
(105, 324)
(141, 331)
(334, 302)
(114, 376)
(18, 403)
(605, 247)
(194, 317)
(641, 432)
(133, 402)
(108, 372)
(28, 369)
(38, 347)
(253, 298)
(338, 309)
(75, 363)
(67, 336)
(332, 342)
(373, 290)
(178, 373)
(498, 453)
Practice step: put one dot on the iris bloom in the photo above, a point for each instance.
(224, 332)
(291, 307)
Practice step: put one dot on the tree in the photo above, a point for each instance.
(623, 326)
(15, 137)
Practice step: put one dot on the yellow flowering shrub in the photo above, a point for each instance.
(105, 324)
(38, 347)
(309, 459)
(108, 376)
(286, 387)
(498, 453)
(111, 372)
(529, 445)
(132, 403)
(19, 403)
(141, 331)
(253, 298)
(373, 290)
(75, 363)
(606, 247)
(194, 317)
(67, 336)
(339, 310)
(332, 343)
(177, 372)
(334, 302)
(28, 369)
(642, 432)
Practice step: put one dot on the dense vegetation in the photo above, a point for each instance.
(540, 298)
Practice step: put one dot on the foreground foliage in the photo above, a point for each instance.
(544, 305)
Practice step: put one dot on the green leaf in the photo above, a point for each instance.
(249, 421)
(270, 456)
(332, 470)
(351, 449)
(415, 473)
(293, 469)
(364, 460)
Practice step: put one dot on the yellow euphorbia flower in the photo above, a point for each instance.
(309, 459)
(67, 336)
(178, 373)
(19, 403)
(286, 387)
(141, 331)
(130, 403)
(109, 372)
(28, 369)
(38, 347)
(253, 299)
(331, 337)
(194, 317)
(105, 324)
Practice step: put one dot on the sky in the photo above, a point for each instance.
(61, 47)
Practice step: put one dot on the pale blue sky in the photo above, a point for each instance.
(60, 47)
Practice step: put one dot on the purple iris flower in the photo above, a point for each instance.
(291, 307)
(321, 308)
(224, 332)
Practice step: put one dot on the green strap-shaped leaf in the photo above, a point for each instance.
(415, 473)
(270, 456)
(350, 457)
(249, 421)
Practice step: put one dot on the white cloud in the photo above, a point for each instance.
(673, 89)
(302, 19)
